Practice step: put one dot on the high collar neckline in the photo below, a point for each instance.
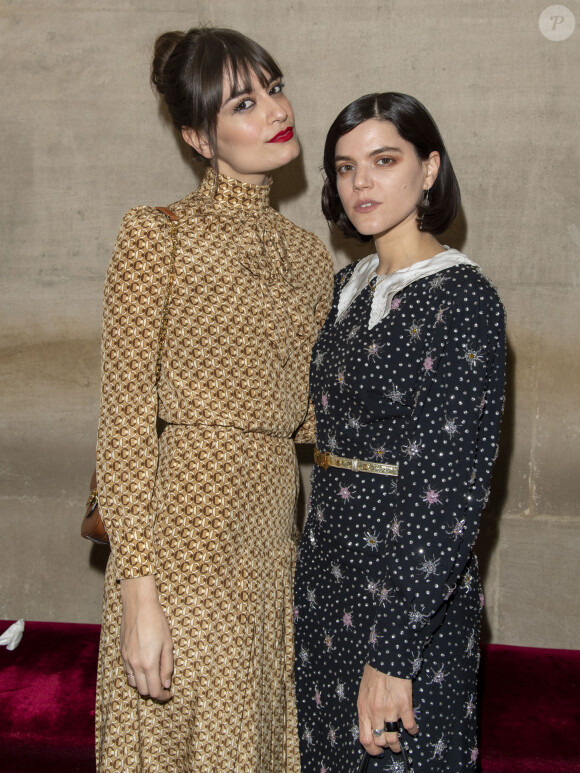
(229, 193)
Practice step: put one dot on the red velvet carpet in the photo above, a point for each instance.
(530, 714)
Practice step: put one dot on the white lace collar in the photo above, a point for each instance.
(387, 289)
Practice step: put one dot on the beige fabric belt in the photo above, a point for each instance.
(325, 460)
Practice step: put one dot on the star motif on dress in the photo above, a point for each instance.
(438, 676)
(396, 766)
(304, 656)
(438, 281)
(336, 572)
(340, 378)
(332, 444)
(347, 619)
(379, 453)
(485, 498)
(372, 541)
(428, 362)
(432, 497)
(429, 567)
(318, 359)
(412, 449)
(470, 706)
(324, 402)
(481, 600)
(345, 493)
(319, 514)
(414, 330)
(473, 755)
(354, 730)
(307, 736)
(328, 641)
(471, 643)
(472, 356)
(353, 333)
(395, 528)
(416, 664)
(457, 529)
(450, 426)
(339, 690)
(311, 597)
(374, 636)
(438, 749)
(353, 423)
(373, 587)
(416, 617)
(395, 303)
(384, 595)
(374, 350)
(439, 316)
(395, 395)
(296, 613)
(331, 735)
(466, 581)
(317, 697)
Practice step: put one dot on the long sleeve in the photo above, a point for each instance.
(127, 448)
(307, 430)
(445, 468)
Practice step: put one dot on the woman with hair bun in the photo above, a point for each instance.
(208, 327)
(407, 382)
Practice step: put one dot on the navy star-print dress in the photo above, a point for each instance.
(385, 573)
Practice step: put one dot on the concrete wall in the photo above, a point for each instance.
(82, 140)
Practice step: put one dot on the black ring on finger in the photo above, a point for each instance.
(391, 727)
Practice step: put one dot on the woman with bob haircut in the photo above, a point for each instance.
(210, 314)
(407, 382)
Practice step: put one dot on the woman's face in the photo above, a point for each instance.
(380, 178)
(255, 132)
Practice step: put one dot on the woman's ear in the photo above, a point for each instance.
(197, 141)
(431, 167)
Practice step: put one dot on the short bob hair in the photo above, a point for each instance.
(414, 123)
(188, 69)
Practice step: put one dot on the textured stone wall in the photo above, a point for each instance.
(82, 139)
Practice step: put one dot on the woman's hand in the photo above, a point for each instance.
(383, 698)
(146, 644)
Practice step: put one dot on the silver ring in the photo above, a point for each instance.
(378, 732)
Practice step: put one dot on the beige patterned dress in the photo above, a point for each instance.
(209, 507)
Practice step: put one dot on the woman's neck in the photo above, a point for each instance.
(404, 247)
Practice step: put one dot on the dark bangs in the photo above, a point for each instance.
(228, 53)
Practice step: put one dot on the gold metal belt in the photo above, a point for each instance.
(325, 460)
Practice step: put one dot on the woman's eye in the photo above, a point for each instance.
(243, 105)
(344, 168)
(276, 88)
(384, 161)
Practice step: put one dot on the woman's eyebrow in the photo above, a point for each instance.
(240, 92)
(378, 151)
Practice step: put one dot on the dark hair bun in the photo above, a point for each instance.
(164, 46)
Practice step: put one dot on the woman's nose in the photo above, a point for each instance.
(361, 179)
(277, 110)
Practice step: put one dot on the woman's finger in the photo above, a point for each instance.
(392, 741)
(409, 722)
(373, 742)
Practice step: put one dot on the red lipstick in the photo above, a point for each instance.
(283, 136)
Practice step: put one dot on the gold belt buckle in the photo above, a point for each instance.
(323, 459)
